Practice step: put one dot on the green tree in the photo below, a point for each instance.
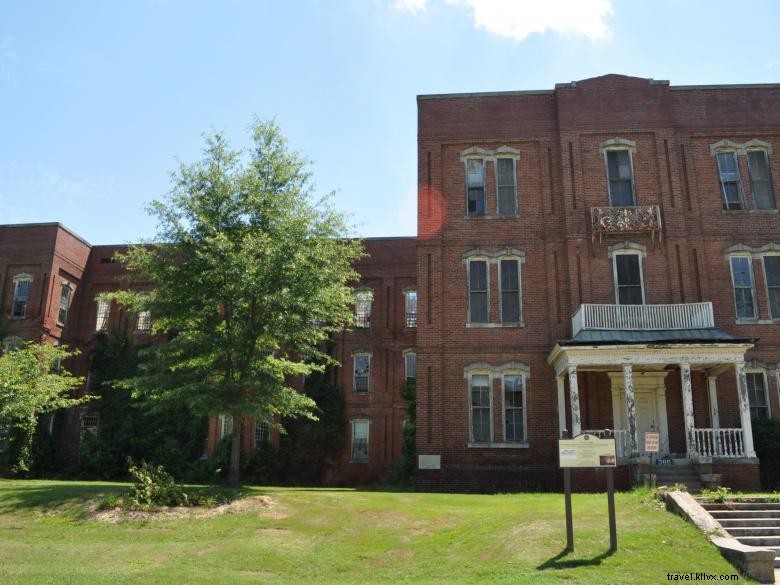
(32, 383)
(250, 276)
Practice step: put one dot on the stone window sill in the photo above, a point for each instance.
(518, 445)
(494, 325)
(358, 460)
(749, 211)
(757, 322)
(493, 216)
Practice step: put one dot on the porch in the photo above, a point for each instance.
(636, 362)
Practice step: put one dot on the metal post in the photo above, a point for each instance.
(569, 523)
(611, 506)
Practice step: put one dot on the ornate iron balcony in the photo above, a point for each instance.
(639, 219)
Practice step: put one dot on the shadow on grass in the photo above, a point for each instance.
(559, 562)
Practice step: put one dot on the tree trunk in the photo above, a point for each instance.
(235, 452)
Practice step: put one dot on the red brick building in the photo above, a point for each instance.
(603, 255)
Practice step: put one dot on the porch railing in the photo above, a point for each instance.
(643, 317)
(622, 441)
(719, 442)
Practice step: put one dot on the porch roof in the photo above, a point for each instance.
(623, 336)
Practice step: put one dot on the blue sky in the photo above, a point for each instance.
(98, 100)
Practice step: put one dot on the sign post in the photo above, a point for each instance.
(588, 450)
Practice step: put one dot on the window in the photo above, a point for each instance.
(744, 294)
(410, 363)
(362, 380)
(11, 343)
(475, 186)
(103, 314)
(89, 424)
(360, 439)
(730, 181)
(262, 433)
(225, 425)
(506, 188)
(478, 291)
(510, 291)
(620, 177)
(514, 408)
(62, 316)
(757, 395)
(410, 304)
(144, 322)
(629, 289)
(772, 275)
(480, 408)
(22, 285)
(760, 179)
(363, 301)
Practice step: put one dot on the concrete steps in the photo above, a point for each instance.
(681, 472)
(755, 522)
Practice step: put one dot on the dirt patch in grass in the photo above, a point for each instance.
(261, 504)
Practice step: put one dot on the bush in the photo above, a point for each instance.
(153, 486)
(766, 440)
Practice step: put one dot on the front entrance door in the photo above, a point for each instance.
(646, 414)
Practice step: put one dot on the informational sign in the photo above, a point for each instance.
(587, 451)
(652, 441)
(429, 462)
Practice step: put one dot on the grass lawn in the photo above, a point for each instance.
(346, 536)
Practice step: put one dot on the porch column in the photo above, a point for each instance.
(687, 397)
(744, 409)
(663, 425)
(561, 406)
(713, 393)
(628, 383)
(574, 399)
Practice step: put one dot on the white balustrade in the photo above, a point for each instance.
(643, 317)
(719, 442)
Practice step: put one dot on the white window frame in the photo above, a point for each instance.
(410, 317)
(470, 377)
(225, 426)
(752, 287)
(11, 343)
(766, 286)
(762, 373)
(365, 321)
(353, 422)
(524, 377)
(640, 258)
(407, 354)
(740, 185)
(468, 262)
(519, 261)
(355, 355)
(17, 280)
(483, 160)
(65, 285)
(262, 433)
(630, 151)
(514, 159)
(766, 152)
(98, 313)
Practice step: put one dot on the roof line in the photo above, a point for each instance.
(48, 224)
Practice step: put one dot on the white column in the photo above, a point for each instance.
(663, 425)
(574, 399)
(713, 392)
(561, 406)
(687, 398)
(744, 409)
(628, 387)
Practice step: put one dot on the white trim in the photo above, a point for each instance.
(626, 247)
(640, 257)
(406, 353)
(752, 287)
(17, 280)
(762, 371)
(523, 377)
(468, 262)
(617, 144)
(470, 377)
(740, 185)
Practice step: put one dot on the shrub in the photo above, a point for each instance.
(766, 439)
(153, 486)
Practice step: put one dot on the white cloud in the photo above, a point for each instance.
(413, 6)
(516, 19)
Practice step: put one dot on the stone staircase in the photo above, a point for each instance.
(681, 471)
(755, 522)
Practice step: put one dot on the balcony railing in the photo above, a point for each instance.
(643, 317)
(639, 219)
(719, 442)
